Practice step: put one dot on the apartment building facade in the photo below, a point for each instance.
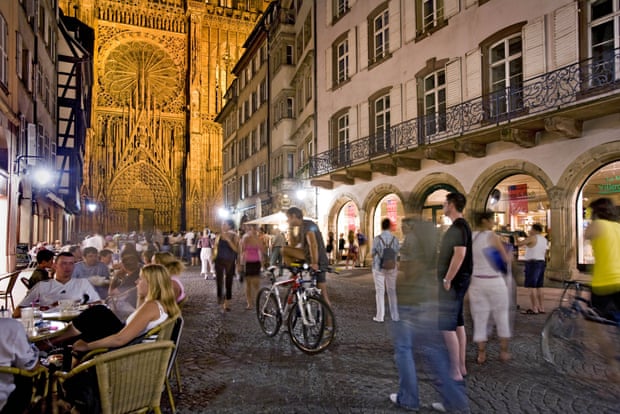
(514, 104)
(268, 119)
(33, 204)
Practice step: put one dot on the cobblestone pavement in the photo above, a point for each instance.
(229, 366)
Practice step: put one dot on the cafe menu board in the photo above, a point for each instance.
(22, 257)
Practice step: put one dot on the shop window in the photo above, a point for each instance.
(604, 182)
(390, 207)
(519, 201)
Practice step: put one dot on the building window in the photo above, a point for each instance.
(340, 8)
(431, 14)
(342, 56)
(435, 102)
(290, 57)
(380, 118)
(308, 88)
(381, 36)
(4, 51)
(290, 107)
(342, 138)
(604, 31)
(307, 29)
(290, 165)
(505, 76)
(262, 88)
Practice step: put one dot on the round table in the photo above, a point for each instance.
(45, 330)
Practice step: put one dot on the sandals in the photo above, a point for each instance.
(529, 312)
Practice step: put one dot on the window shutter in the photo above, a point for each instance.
(565, 36)
(363, 45)
(353, 135)
(409, 21)
(394, 28)
(364, 120)
(451, 8)
(473, 73)
(329, 64)
(396, 116)
(453, 83)
(351, 69)
(469, 3)
(534, 48)
(411, 105)
(329, 12)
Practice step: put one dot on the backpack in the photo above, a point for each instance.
(388, 258)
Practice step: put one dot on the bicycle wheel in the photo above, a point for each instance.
(267, 312)
(560, 338)
(317, 333)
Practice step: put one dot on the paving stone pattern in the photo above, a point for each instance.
(228, 365)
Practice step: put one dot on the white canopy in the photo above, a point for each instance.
(278, 219)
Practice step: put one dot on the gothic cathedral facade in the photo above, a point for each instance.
(153, 153)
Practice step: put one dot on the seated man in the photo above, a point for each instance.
(45, 260)
(15, 351)
(91, 266)
(48, 293)
(122, 294)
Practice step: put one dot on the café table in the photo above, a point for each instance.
(56, 314)
(45, 330)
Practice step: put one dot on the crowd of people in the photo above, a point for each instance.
(425, 276)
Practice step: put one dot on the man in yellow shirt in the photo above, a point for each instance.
(604, 235)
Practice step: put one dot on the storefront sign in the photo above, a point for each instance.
(351, 215)
(611, 185)
(517, 194)
(392, 211)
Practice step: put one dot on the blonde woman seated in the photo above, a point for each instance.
(98, 327)
(174, 267)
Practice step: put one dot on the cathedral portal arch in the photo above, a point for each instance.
(139, 194)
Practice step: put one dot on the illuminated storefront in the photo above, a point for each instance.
(605, 182)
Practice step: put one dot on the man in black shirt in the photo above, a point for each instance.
(454, 269)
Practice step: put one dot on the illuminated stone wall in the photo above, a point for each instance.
(153, 152)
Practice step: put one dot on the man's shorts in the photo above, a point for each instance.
(451, 306)
(321, 277)
(534, 273)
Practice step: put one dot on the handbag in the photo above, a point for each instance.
(495, 259)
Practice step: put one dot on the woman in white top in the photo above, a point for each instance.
(160, 304)
(488, 293)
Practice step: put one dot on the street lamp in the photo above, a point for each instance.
(91, 206)
(42, 176)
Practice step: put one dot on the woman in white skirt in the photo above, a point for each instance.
(488, 293)
(206, 249)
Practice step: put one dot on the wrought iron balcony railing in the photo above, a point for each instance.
(560, 89)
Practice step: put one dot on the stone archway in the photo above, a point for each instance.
(417, 197)
(494, 174)
(141, 187)
(565, 200)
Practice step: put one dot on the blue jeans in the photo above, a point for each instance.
(417, 331)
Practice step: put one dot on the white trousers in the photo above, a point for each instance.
(206, 263)
(385, 279)
(489, 297)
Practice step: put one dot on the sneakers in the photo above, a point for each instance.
(377, 319)
(437, 406)
(394, 399)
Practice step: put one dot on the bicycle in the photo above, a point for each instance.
(566, 341)
(310, 320)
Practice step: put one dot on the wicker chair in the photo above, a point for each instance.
(173, 364)
(38, 380)
(7, 291)
(129, 379)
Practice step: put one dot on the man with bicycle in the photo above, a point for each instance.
(604, 235)
(308, 246)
